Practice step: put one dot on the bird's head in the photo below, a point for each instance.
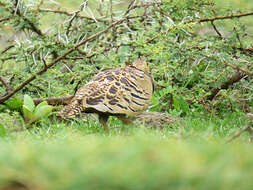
(141, 64)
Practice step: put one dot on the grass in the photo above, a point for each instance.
(192, 154)
(70, 160)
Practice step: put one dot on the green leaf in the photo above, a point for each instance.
(39, 105)
(2, 107)
(183, 104)
(28, 102)
(14, 103)
(2, 131)
(28, 115)
(154, 100)
(42, 111)
(176, 103)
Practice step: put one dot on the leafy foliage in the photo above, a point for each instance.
(32, 113)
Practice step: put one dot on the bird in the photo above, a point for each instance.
(121, 92)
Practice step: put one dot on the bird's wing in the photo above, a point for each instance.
(119, 91)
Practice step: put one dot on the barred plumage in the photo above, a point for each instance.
(120, 92)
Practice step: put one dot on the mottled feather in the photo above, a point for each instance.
(120, 91)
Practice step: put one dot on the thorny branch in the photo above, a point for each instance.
(31, 24)
(92, 37)
(68, 13)
(75, 15)
(221, 17)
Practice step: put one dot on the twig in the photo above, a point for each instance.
(235, 78)
(16, 11)
(6, 84)
(216, 30)
(248, 128)
(7, 48)
(62, 100)
(77, 85)
(4, 19)
(247, 51)
(30, 23)
(130, 7)
(92, 37)
(238, 68)
(221, 17)
(68, 14)
(146, 5)
(75, 15)
(70, 22)
(238, 37)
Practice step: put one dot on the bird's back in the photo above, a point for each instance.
(125, 90)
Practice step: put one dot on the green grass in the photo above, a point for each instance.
(192, 154)
(70, 160)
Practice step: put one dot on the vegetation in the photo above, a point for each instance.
(200, 55)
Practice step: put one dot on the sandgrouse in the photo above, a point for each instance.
(121, 92)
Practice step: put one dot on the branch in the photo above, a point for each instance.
(4, 19)
(92, 37)
(130, 7)
(16, 11)
(6, 84)
(62, 100)
(216, 30)
(221, 17)
(7, 48)
(68, 14)
(238, 134)
(31, 24)
(246, 51)
(238, 68)
(235, 78)
(248, 128)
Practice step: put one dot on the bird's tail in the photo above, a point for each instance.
(71, 110)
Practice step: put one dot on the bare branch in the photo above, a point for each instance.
(216, 30)
(130, 7)
(7, 48)
(238, 37)
(62, 100)
(4, 19)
